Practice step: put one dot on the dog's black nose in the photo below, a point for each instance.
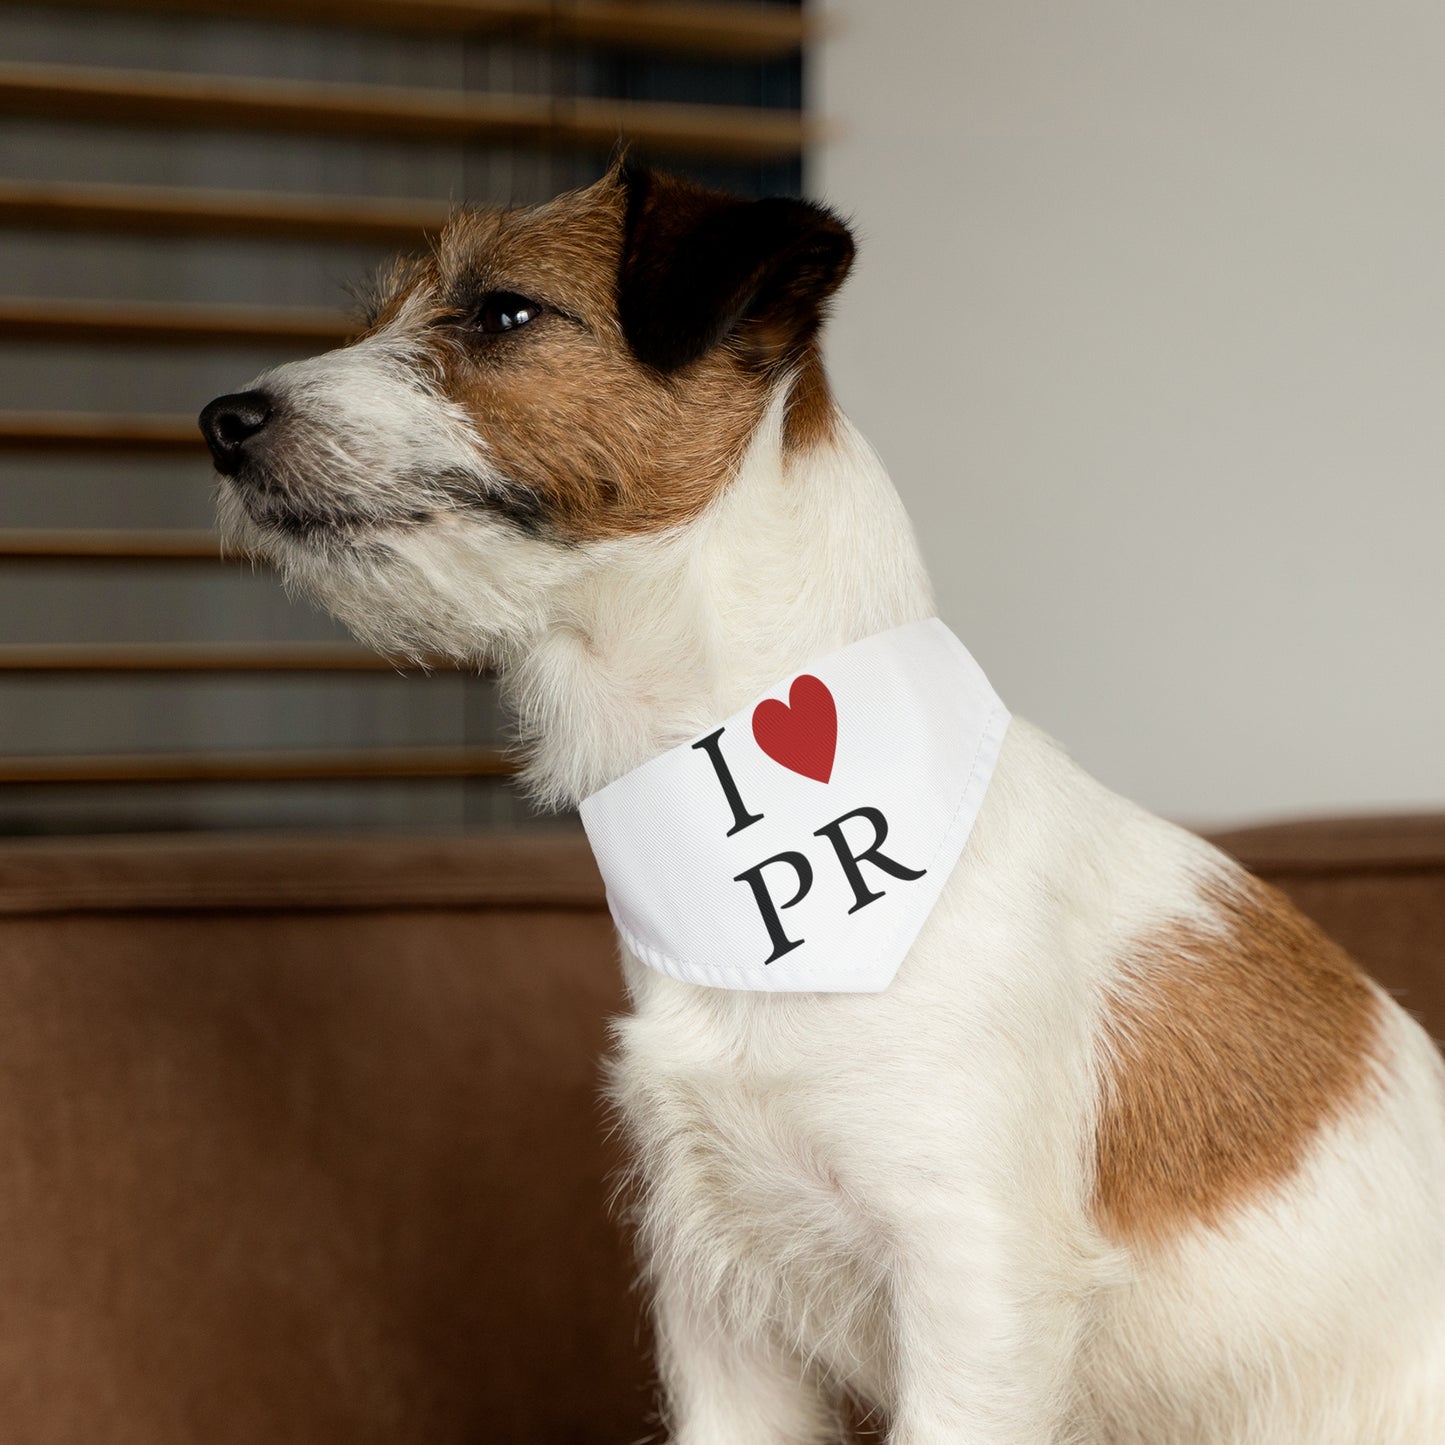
(229, 422)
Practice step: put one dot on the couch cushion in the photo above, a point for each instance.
(301, 1136)
(302, 1143)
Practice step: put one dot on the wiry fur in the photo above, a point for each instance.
(896, 1195)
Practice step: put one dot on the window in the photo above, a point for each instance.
(185, 197)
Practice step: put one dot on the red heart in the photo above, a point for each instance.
(802, 733)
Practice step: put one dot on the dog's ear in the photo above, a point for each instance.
(699, 266)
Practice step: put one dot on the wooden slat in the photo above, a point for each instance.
(73, 544)
(736, 31)
(704, 27)
(84, 431)
(191, 657)
(171, 324)
(259, 767)
(144, 97)
(179, 211)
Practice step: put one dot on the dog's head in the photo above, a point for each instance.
(544, 387)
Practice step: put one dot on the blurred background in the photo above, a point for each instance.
(1148, 323)
(188, 189)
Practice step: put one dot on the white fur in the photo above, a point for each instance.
(890, 1194)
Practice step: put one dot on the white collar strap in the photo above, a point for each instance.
(800, 845)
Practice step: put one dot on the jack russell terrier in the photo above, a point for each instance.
(1090, 1138)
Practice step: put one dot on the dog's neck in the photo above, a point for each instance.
(802, 554)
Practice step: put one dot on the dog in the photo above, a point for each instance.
(1127, 1153)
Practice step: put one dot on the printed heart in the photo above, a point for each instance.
(802, 733)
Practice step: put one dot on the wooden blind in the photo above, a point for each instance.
(193, 181)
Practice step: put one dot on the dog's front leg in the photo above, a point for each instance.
(984, 1351)
(721, 1387)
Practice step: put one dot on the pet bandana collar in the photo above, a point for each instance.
(800, 846)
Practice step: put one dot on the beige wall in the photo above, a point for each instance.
(1149, 324)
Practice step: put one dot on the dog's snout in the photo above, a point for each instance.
(229, 422)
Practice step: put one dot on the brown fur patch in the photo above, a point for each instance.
(812, 414)
(598, 443)
(1226, 1054)
(608, 447)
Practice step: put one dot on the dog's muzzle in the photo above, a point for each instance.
(230, 422)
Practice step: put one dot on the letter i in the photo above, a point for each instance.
(712, 746)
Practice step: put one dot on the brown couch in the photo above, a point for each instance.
(301, 1140)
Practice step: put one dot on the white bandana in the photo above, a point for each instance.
(800, 846)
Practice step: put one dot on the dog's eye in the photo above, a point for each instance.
(504, 311)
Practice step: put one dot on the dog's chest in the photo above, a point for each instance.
(744, 1185)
